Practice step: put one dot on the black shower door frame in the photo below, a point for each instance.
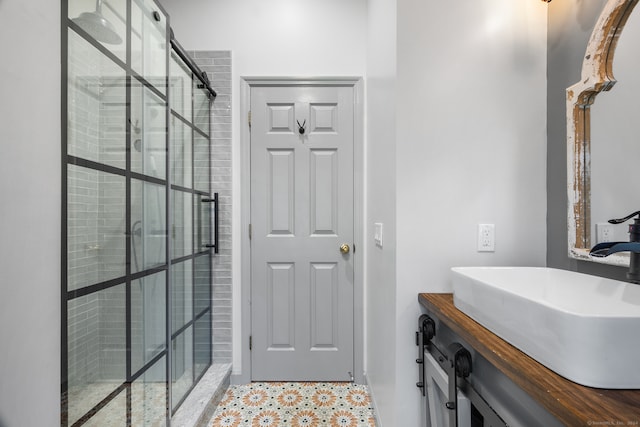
(70, 295)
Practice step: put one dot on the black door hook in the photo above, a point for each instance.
(301, 126)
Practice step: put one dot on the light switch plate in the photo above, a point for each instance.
(377, 234)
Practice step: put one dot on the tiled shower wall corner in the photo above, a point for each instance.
(217, 65)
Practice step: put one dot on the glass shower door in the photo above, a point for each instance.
(136, 288)
(191, 253)
(116, 264)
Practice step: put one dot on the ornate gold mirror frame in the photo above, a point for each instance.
(597, 76)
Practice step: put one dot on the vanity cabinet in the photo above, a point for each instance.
(521, 391)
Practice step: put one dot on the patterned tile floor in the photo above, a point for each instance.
(270, 404)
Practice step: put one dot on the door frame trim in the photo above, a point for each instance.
(246, 83)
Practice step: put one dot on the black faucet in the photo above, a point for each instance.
(632, 246)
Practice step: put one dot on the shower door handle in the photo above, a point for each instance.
(213, 239)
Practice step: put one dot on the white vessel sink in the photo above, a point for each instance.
(583, 327)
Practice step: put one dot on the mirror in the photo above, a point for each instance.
(615, 148)
(600, 185)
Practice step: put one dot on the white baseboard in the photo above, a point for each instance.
(373, 401)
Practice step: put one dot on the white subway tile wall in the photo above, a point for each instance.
(217, 65)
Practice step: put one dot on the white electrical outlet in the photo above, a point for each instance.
(377, 234)
(604, 232)
(486, 237)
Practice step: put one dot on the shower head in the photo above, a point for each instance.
(97, 26)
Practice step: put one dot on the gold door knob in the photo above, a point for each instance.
(344, 248)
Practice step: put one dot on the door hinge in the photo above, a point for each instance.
(250, 342)
(249, 118)
(250, 231)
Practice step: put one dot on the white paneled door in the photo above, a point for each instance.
(302, 232)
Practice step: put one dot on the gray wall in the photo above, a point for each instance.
(380, 267)
(569, 28)
(470, 148)
(30, 213)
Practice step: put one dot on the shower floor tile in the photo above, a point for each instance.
(148, 404)
(295, 404)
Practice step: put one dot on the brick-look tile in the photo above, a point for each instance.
(217, 65)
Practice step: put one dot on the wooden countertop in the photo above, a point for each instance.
(572, 404)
